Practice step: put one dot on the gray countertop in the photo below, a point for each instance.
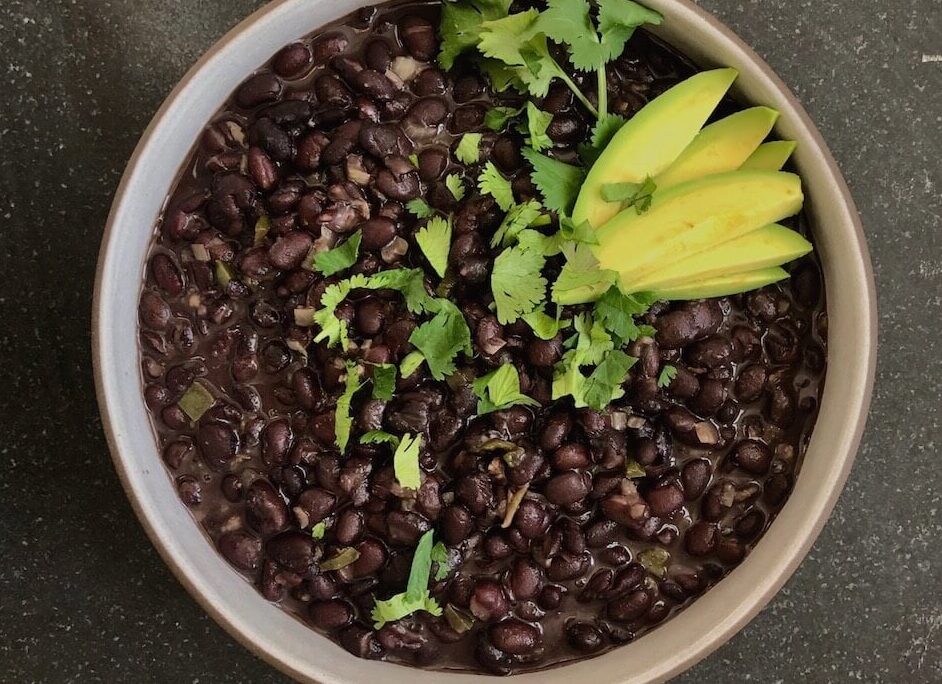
(83, 595)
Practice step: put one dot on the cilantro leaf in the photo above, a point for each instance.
(410, 282)
(461, 23)
(667, 375)
(343, 421)
(517, 283)
(581, 279)
(441, 339)
(568, 22)
(416, 596)
(468, 150)
(637, 195)
(420, 208)
(410, 363)
(341, 257)
(593, 346)
(559, 183)
(497, 117)
(384, 381)
(499, 389)
(605, 384)
(503, 39)
(456, 186)
(406, 462)
(584, 232)
(545, 327)
(319, 530)
(379, 437)
(492, 183)
(604, 130)
(519, 217)
(618, 20)
(435, 241)
(537, 123)
(616, 312)
(516, 42)
(440, 555)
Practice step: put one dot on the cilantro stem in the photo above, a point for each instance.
(578, 93)
(603, 92)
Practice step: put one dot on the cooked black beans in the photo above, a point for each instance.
(567, 530)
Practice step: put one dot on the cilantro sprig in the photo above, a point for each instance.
(500, 389)
(416, 597)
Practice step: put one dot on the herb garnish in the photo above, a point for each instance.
(500, 389)
(416, 596)
(435, 240)
(341, 257)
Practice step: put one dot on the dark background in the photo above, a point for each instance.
(83, 595)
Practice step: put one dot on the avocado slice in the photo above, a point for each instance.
(770, 156)
(693, 217)
(720, 147)
(651, 140)
(771, 245)
(720, 286)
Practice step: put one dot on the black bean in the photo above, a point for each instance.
(327, 46)
(515, 636)
(531, 519)
(313, 505)
(241, 549)
(630, 607)
(218, 443)
(406, 527)
(430, 82)
(166, 274)
(750, 526)
(372, 559)
(777, 488)
(467, 118)
(331, 614)
(294, 551)
(488, 601)
(468, 87)
(700, 539)
(544, 353)
(568, 488)
(154, 311)
(566, 128)
(751, 382)
(399, 180)
(293, 60)
(265, 510)
(712, 352)
(585, 637)
(276, 441)
(690, 322)
(525, 579)
(374, 84)
(571, 456)
(259, 89)
(419, 37)
(360, 642)
(332, 92)
(665, 499)
(428, 113)
(378, 55)
(752, 456)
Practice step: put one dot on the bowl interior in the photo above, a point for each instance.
(276, 635)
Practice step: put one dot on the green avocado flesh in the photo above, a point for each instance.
(770, 156)
(768, 246)
(720, 147)
(693, 217)
(651, 140)
(720, 286)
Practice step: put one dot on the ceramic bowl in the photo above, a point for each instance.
(274, 634)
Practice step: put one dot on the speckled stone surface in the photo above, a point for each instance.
(84, 597)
